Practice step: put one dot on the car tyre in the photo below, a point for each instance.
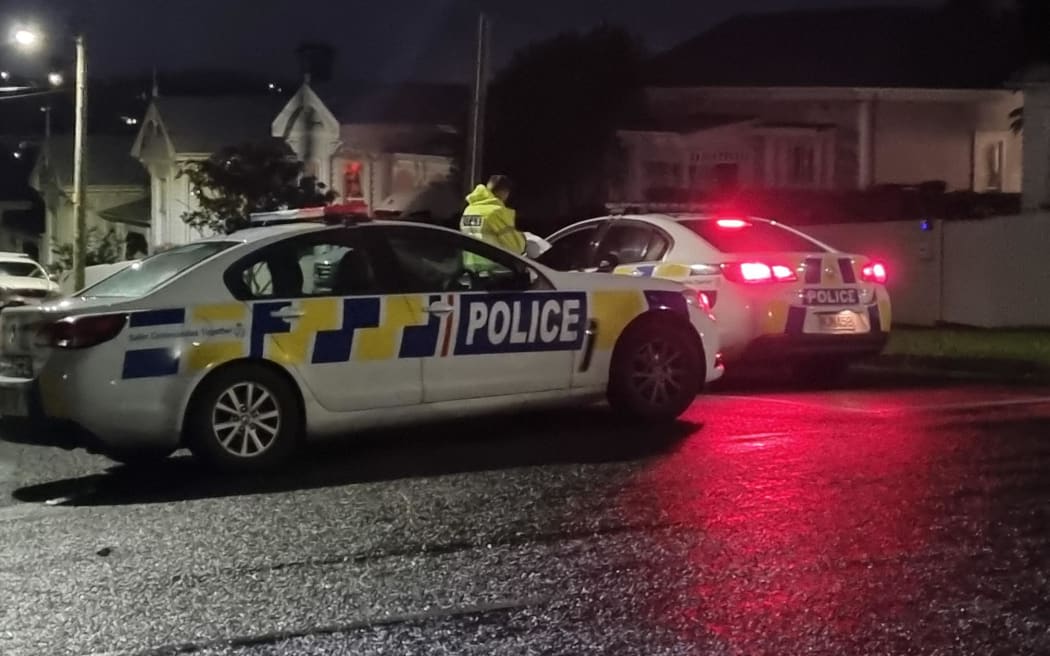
(653, 375)
(244, 418)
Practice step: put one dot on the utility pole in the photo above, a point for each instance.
(477, 105)
(79, 149)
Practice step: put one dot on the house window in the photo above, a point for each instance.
(801, 169)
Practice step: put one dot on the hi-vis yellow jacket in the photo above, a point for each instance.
(488, 219)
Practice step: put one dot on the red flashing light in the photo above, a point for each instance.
(874, 272)
(758, 272)
(731, 224)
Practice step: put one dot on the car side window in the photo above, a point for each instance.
(571, 251)
(330, 265)
(626, 243)
(432, 260)
(658, 247)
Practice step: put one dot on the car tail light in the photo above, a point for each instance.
(81, 332)
(758, 272)
(874, 272)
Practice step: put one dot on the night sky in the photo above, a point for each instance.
(388, 40)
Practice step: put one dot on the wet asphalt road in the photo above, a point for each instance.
(894, 517)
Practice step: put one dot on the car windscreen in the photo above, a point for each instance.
(145, 276)
(27, 269)
(740, 236)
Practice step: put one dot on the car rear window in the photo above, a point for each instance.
(145, 276)
(751, 237)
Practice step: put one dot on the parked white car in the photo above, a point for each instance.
(236, 346)
(23, 281)
(779, 295)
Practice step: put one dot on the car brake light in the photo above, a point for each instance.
(82, 332)
(758, 272)
(874, 272)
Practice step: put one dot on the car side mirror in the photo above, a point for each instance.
(608, 264)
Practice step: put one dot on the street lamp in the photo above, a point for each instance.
(55, 78)
(28, 39)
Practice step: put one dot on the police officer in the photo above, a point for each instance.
(488, 218)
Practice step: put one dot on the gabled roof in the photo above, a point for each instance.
(108, 163)
(864, 47)
(205, 124)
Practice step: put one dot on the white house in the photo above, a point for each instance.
(826, 99)
(116, 192)
(178, 130)
(362, 148)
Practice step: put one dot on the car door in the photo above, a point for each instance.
(502, 328)
(631, 247)
(318, 305)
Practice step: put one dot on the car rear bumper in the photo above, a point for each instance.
(92, 417)
(791, 347)
(23, 421)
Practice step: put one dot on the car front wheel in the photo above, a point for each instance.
(654, 372)
(244, 418)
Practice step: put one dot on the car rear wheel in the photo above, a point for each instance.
(244, 418)
(654, 372)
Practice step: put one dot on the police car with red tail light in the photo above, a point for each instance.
(778, 294)
(240, 345)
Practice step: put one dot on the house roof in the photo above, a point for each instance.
(864, 47)
(109, 161)
(205, 124)
(414, 103)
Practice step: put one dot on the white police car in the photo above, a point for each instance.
(236, 346)
(780, 296)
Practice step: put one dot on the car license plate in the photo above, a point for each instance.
(839, 322)
(12, 403)
(831, 297)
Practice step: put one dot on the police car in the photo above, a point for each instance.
(239, 345)
(780, 296)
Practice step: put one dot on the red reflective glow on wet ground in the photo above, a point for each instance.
(833, 512)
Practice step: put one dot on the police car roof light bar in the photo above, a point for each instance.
(330, 214)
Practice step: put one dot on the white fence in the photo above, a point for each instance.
(990, 273)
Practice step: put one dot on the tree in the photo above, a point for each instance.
(251, 177)
(553, 116)
(103, 247)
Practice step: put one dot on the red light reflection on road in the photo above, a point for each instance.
(796, 529)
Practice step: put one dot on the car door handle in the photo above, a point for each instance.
(287, 313)
(439, 308)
